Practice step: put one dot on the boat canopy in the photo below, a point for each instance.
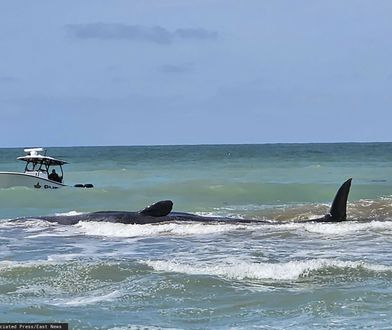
(34, 157)
(49, 161)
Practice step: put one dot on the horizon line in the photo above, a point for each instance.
(191, 144)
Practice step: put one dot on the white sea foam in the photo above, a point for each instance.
(142, 327)
(329, 229)
(56, 231)
(70, 213)
(218, 214)
(30, 225)
(87, 300)
(7, 223)
(51, 260)
(8, 264)
(240, 270)
(60, 258)
(344, 228)
(37, 289)
(183, 229)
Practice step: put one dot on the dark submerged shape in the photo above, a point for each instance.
(159, 209)
(339, 205)
(161, 212)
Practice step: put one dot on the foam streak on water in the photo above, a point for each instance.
(277, 275)
(240, 270)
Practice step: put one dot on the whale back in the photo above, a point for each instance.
(159, 209)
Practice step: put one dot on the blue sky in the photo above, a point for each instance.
(194, 72)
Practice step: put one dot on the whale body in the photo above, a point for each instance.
(162, 212)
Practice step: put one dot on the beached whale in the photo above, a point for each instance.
(162, 212)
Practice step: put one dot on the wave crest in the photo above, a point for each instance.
(291, 270)
(124, 230)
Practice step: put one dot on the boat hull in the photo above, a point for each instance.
(14, 179)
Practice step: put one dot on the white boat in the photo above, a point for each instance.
(39, 173)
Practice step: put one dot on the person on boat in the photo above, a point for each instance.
(54, 176)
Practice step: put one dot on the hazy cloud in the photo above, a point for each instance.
(155, 34)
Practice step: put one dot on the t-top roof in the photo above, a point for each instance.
(34, 156)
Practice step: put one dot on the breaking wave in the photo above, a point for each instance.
(291, 270)
(86, 300)
(123, 230)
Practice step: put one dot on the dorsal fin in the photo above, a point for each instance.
(159, 209)
(339, 204)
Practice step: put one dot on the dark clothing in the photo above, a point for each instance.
(54, 177)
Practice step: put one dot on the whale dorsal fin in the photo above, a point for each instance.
(339, 204)
(159, 209)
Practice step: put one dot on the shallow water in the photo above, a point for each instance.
(197, 276)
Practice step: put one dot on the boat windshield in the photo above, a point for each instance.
(51, 171)
(33, 165)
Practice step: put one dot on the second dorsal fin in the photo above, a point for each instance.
(339, 204)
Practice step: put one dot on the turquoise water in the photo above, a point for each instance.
(197, 276)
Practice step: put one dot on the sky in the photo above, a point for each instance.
(142, 72)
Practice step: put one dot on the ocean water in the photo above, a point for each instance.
(203, 276)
